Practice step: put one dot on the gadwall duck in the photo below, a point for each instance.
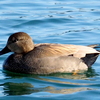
(46, 58)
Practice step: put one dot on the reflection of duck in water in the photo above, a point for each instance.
(18, 88)
(27, 88)
(27, 84)
(46, 58)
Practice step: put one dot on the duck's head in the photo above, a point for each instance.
(19, 42)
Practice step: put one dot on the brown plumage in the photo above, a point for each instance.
(46, 58)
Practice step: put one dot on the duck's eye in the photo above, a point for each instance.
(15, 40)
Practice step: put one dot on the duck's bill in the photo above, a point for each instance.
(5, 50)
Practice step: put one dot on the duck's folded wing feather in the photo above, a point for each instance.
(50, 50)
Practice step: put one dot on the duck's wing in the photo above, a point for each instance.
(50, 50)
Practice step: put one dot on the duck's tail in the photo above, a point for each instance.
(89, 59)
(95, 46)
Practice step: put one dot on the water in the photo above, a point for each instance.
(52, 21)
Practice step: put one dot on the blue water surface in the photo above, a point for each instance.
(51, 21)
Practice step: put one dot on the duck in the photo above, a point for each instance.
(46, 58)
